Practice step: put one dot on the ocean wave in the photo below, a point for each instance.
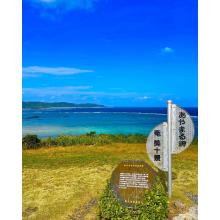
(141, 113)
(148, 113)
(98, 112)
(194, 116)
(145, 113)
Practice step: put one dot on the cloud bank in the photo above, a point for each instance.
(32, 71)
(65, 90)
(64, 5)
(72, 90)
(82, 94)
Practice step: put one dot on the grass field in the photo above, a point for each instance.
(66, 182)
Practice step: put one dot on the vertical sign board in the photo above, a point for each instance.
(157, 146)
(130, 180)
(182, 129)
(170, 138)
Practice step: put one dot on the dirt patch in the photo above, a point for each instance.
(81, 212)
(29, 211)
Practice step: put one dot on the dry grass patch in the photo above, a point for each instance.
(58, 181)
(56, 192)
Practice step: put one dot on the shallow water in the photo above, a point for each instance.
(75, 121)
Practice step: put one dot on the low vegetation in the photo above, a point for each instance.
(67, 182)
(154, 206)
(91, 138)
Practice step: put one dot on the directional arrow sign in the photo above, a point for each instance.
(157, 146)
(182, 129)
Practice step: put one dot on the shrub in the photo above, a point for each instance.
(91, 134)
(92, 138)
(154, 206)
(30, 141)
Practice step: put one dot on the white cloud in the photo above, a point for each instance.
(65, 90)
(35, 70)
(143, 97)
(74, 91)
(54, 9)
(64, 5)
(46, 1)
(167, 50)
(80, 94)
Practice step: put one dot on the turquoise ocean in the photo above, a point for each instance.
(110, 120)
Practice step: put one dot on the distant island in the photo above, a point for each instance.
(57, 105)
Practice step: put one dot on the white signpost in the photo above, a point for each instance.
(171, 137)
(182, 129)
(157, 146)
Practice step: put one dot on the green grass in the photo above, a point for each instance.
(91, 138)
(59, 182)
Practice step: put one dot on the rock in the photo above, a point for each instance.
(178, 204)
(192, 197)
(192, 214)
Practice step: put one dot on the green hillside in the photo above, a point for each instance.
(57, 105)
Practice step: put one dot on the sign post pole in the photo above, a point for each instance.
(169, 120)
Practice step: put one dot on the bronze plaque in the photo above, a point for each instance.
(130, 180)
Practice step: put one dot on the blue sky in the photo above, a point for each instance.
(112, 52)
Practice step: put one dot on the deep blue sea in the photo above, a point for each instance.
(115, 120)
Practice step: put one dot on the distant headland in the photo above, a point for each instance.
(36, 105)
